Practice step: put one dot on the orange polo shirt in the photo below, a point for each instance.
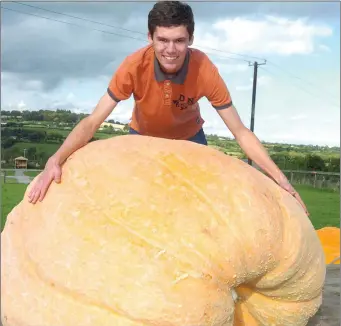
(165, 106)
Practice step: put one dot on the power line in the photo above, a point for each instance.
(129, 30)
(72, 24)
(76, 17)
(298, 78)
(144, 40)
(254, 89)
(305, 90)
(107, 32)
(141, 33)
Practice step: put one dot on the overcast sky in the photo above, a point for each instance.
(47, 64)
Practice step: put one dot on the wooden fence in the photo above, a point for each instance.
(316, 179)
(18, 175)
(322, 180)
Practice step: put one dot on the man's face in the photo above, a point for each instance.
(170, 46)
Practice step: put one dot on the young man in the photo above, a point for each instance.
(167, 79)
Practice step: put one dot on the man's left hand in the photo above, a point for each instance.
(285, 184)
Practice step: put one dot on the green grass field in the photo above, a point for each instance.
(63, 132)
(31, 173)
(323, 205)
(10, 173)
(48, 148)
(11, 195)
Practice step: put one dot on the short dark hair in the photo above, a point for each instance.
(171, 13)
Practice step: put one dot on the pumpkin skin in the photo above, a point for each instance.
(330, 240)
(146, 231)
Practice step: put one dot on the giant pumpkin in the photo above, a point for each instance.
(330, 240)
(145, 231)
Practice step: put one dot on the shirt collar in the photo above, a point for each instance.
(178, 78)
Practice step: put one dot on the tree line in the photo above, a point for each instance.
(306, 162)
(286, 156)
(284, 159)
(59, 115)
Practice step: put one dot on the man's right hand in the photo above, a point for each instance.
(52, 172)
(77, 138)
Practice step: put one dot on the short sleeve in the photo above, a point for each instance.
(121, 85)
(216, 90)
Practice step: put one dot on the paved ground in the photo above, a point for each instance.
(329, 313)
(20, 177)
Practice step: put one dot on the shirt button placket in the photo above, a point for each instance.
(167, 92)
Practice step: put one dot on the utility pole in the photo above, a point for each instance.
(254, 88)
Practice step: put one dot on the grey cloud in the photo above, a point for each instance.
(208, 11)
(50, 52)
(203, 10)
(315, 11)
(117, 13)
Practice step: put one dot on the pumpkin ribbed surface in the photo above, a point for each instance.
(330, 240)
(146, 231)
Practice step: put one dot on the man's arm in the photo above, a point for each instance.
(249, 143)
(253, 148)
(77, 138)
(85, 129)
(218, 94)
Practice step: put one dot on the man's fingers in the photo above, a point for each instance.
(57, 178)
(32, 192)
(291, 190)
(36, 186)
(40, 187)
(35, 196)
(298, 197)
(45, 185)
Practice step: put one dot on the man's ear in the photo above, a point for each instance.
(191, 40)
(150, 39)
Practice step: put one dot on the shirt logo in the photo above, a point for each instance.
(183, 103)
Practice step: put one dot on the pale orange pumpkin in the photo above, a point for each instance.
(145, 231)
(330, 240)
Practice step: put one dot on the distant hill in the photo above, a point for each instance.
(38, 134)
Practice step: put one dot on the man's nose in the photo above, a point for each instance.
(171, 47)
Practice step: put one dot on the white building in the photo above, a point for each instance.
(115, 126)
